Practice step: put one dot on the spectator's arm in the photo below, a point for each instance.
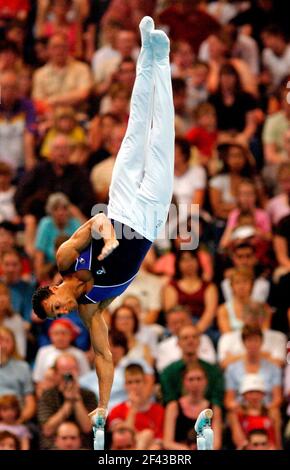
(230, 400)
(219, 207)
(237, 434)
(70, 98)
(217, 427)
(276, 398)
(223, 319)
(29, 143)
(198, 197)
(211, 303)
(281, 251)
(42, 10)
(250, 127)
(81, 415)
(50, 426)
(170, 297)
(171, 414)
(272, 156)
(41, 268)
(29, 408)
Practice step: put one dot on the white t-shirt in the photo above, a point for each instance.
(232, 343)
(278, 66)
(260, 291)
(7, 207)
(186, 185)
(223, 183)
(47, 355)
(168, 352)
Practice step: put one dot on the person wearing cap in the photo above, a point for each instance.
(62, 333)
(253, 362)
(253, 414)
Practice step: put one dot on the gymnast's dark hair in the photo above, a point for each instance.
(42, 293)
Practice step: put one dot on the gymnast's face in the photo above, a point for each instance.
(60, 302)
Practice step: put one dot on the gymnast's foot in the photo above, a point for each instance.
(160, 44)
(98, 417)
(146, 26)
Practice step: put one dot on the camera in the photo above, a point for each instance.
(68, 378)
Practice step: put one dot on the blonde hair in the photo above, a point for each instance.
(7, 331)
(243, 273)
(5, 291)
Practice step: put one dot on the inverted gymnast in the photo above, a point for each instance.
(103, 256)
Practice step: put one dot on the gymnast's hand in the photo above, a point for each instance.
(109, 246)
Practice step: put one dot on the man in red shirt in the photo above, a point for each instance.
(138, 412)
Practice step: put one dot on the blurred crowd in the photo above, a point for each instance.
(203, 327)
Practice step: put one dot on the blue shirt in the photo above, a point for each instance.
(21, 293)
(47, 233)
(15, 379)
(271, 374)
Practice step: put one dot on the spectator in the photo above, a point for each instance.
(169, 351)
(204, 135)
(171, 377)
(126, 47)
(68, 436)
(189, 182)
(230, 314)
(253, 414)
(234, 106)
(276, 54)
(101, 173)
(119, 350)
(15, 376)
(188, 21)
(243, 256)
(62, 333)
(20, 291)
(125, 320)
(12, 320)
(246, 201)
(189, 289)
(145, 417)
(58, 23)
(10, 59)
(231, 347)
(62, 80)
(197, 92)
(7, 190)
(275, 126)
(64, 123)
(8, 441)
(123, 437)
(58, 173)
(238, 164)
(59, 221)
(253, 363)
(128, 14)
(181, 415)
(66, 401)
(258, 440)
(9, 415)
(17, 125)
(278, 207)
(99, 136)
